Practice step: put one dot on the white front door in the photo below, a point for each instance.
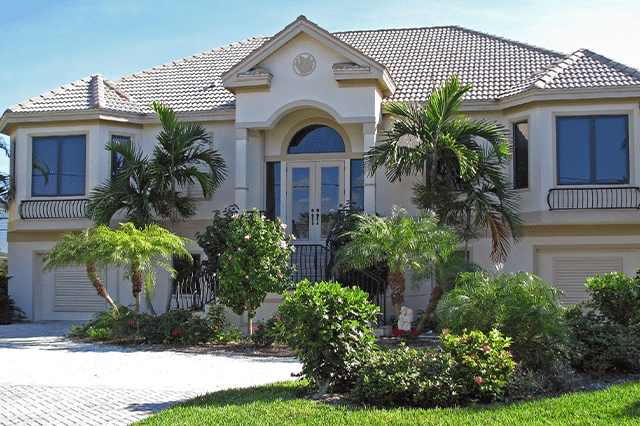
(315, 190)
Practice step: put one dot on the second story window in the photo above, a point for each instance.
(116, 159)
(520, 159)
(592, 150)
(58, 166)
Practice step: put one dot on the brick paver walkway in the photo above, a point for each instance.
(68, 406)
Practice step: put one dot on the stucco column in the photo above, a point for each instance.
(242, 190)
(370, 131)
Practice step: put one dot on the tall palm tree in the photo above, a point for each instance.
(464, 181)
(141, 250)
(417, 243)
(83, 249)
(181, 149)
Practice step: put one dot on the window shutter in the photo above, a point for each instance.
(570, 275)
(74, 293)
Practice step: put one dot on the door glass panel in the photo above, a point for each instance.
(300, 203)
(330, 196)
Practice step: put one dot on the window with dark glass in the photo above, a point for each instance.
(520, 155)
(116, 159)
(58, 165)
(315, 139)
(273, 190)
(592, 150)
(357, 184)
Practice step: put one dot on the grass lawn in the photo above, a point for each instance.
(281, 404)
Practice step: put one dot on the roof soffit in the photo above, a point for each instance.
(244, 74)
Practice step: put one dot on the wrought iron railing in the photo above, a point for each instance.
(53, 209)
(312, 263)
(196, 290)
(604, 198)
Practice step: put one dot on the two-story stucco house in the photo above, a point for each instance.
(293, 115)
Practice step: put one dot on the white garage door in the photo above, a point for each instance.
(68, 295)
(569, 269)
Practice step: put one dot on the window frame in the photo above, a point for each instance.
(60, 139)
(592, 144)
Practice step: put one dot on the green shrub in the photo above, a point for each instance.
(616, 297)
(406, 377)
(111, 324)
(177, 326)
(484, 363)
(9, 311)
(327, 328)
(599, 346)
(519, 305)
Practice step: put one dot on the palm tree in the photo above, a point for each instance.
(83, 249)
(142, 250)
(417, 243)
(464, 181)
(131, 191)
(180, 150)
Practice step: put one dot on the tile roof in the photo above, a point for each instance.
(418, 60)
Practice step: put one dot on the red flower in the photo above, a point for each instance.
(193, 314)
(175, 333)
(398, 332)
(277, 318)
(446, 331)
(130, 322)
(478, 380)
(415, 332)
(486, 348)
(463, 340)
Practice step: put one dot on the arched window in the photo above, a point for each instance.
(315, 139)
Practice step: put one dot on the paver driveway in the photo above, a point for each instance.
(46, 379)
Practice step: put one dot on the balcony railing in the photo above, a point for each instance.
(604, 198)
(53, 209)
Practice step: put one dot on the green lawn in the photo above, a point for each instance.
(280, 404)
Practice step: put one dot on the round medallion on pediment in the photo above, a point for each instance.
(304, 64)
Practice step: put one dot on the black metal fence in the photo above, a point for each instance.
(196, 290)
(53, 209)
(312, 263)
(604, 198)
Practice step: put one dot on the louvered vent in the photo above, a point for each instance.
(570, 275)
(74, 292)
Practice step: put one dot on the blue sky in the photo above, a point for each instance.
(47, 44)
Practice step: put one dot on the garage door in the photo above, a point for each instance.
(568, 270)
(68, 294)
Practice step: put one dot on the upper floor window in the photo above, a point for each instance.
(58, 165)
(593, 149)
(357, 184)
(314, 139)
(520, 155)
(116, 159)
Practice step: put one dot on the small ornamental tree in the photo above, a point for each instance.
(255, 263)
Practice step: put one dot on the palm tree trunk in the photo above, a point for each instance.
(136, 288)
(97, 284)
(397, 284)
(436, 295)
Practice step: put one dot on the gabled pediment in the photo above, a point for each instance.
(358, 68)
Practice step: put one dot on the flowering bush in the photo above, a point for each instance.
(255, 262)
(483, 362)
(264, 332)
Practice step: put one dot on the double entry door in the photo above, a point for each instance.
(315, 191)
